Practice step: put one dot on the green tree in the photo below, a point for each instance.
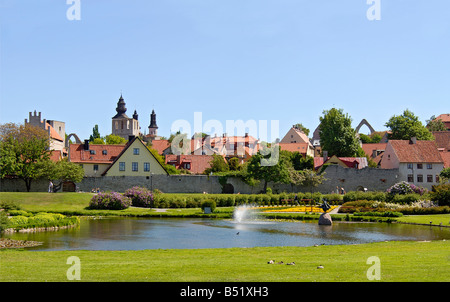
(309, 179)
(436, 125)
(233, 164)
(218, 164)
(302, 128)
(95, 134)
(337, 136)
(272, 167)
(24, 150)
(406, 126)
(62, 171)
(113, 139)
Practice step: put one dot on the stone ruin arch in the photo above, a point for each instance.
(362, 123)
(77, 139)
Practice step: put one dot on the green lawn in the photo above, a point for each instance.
(399, 261)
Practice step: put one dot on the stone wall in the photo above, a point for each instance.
(349, 179)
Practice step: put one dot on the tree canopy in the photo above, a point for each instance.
(337, 136)
(406, 126)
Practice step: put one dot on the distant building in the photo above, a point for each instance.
(95, 159)
(122, 125)
(442, 140)
(419, 162)
(56, 131)
(195, 164)
(135, 160)
(374, 151)
(345, 162)
(445, 118)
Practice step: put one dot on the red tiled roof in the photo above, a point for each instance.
(77, 153)
(420, 152)
(442, 139)
(294, 147)
(53, 133)
(351, 162)
(198, 163)
(160, 145)
(445, 155)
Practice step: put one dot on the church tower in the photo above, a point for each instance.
(153, 128)
(122, 125)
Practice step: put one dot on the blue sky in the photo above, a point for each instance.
(284, 60)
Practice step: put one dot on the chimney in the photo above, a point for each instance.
(246, 134)
(374, 153)
(325, 156)
(413, 140)
(86, 144)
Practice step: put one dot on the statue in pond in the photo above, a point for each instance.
(325, 218)
(325, 206)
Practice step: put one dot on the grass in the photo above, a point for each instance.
(399, 261)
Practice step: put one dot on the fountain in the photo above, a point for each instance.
(242, 213)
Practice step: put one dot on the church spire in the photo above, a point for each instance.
(121, 109)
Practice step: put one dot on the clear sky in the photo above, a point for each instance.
(283, 60)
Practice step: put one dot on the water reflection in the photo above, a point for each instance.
(168, 233)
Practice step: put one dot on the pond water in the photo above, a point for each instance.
(185, 233)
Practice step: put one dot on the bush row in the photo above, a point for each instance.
(40, 220)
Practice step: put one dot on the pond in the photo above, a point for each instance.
(186, 233)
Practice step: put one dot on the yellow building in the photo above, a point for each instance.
(135, 160)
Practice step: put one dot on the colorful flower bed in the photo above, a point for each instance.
(299, 209)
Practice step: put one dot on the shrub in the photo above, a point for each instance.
(109, 201)
(4, 221)
(404, 188)
(140, 197)
(9, 205)
(209, 203)
(441, 194)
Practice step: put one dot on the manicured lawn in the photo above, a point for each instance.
(436, 219)
(399, 261)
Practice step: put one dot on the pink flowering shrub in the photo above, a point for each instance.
(109, 201)
(140, 197)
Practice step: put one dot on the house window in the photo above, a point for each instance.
(429, 178)
(429, 166)
(410, 178)
(410, 166)
(419, 178)
(122, 166)
(134, 166)
(187, 166)
(105, 152)
(95, 167)
(92, 152)
(419, 166)
(136, 151)
(146, 167)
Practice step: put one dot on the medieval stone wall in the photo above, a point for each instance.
(337, 177)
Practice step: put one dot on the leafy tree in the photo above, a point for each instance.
(113, 139)
(436, 125)
(62, 171)
(218, 164)
(24, 150)
(98, 141)
(309, 179)
(406, 126)
(278, 171)
(370, 139)
(337, 135)
(445, 174)
(302, 128)
(95, 134)
(233, 164)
